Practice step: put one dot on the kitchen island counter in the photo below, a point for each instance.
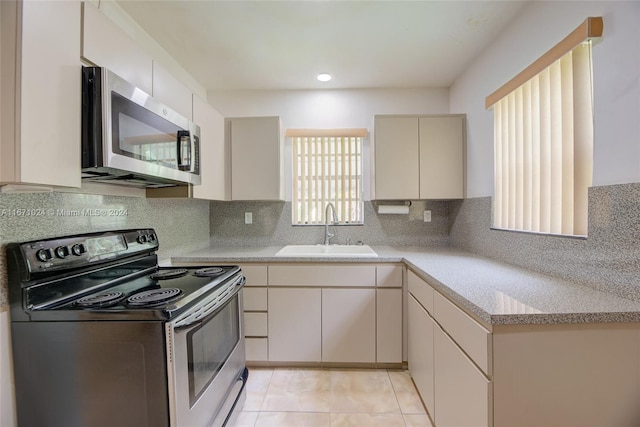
(493, 292)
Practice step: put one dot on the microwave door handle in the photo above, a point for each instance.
(183, 136)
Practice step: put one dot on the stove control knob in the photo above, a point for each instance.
(62, 251)
(78, 249)
(151, 237)
(44, 255)
(142, 239)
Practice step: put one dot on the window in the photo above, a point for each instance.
(543, 140)
(327, 168)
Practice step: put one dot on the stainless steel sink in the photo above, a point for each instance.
(337, 251)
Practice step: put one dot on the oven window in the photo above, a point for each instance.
(143, 135)
(209, 346)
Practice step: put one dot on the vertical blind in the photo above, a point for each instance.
(543, 142)
(327, 169)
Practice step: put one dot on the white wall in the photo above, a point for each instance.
(330, 109)
(616, 68)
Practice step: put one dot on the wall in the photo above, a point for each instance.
(182, 225)
(616, 69)
(272, 226)
(330, 109)
(608, 260)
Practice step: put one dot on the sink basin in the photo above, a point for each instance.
(350, 251)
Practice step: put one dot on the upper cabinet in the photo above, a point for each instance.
(104, 44)
(171, 92)
(40, 87)
(419, 157)
(256, 167)
(212, 152)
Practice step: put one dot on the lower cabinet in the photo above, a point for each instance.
(295, 328)
(255, 313)
(336, 314)
(349, 325)
(389, 326)
(446, 349)
(323, 313)
(420, 352)
(529, 375)
(462, 393)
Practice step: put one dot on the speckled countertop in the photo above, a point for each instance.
(494, 292)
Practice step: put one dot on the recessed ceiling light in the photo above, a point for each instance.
(324, 77)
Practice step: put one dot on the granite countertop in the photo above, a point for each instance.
(494, 292)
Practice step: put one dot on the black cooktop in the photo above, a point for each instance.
(120, 290)
(104, 275)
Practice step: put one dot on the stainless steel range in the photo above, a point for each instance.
(102, 336)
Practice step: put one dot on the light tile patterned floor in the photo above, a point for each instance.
(285, 397)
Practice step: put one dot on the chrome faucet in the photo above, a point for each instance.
(327, 234)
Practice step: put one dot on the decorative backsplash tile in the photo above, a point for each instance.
(608, 259)
(272, 226)
(182, 225)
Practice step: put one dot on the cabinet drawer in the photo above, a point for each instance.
(256, 275)
(255, 324)
(389, 276)
(421, 290)
(472, 337)
(256, 349)
(255, 299)
(322, 275)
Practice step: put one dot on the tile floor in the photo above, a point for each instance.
(284, 397)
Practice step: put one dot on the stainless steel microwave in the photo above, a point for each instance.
(128, 138)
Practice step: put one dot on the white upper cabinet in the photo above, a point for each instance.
(442, 157)
(40, 113)
(419, 157)
(104, 44)
(212, 152)
(256, 168)
(397, 159)
(171, 92)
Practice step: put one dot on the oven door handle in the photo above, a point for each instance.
(211, 308)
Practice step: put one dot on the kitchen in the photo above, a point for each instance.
(607, 260)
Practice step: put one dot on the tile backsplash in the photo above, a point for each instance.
(182, 225)
(272, 226)
(608, 259)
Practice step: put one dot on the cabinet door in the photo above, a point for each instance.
(396, 158)
(106, 45)
(462, 393)
(255, 158)
(212, 153)
(348, 325)
(442, 157)
(171, 92)
(420, 352)
(294, 325)
(48, 142)
(389, 325)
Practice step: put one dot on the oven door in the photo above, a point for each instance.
(206, 360)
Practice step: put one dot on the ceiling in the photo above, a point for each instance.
(280, 45)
